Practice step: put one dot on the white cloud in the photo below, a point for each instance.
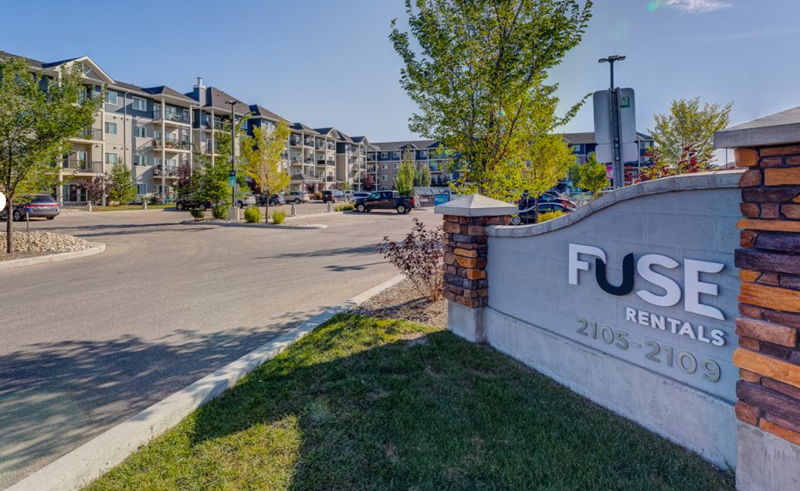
(697, 6)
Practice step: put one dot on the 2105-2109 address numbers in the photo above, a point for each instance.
(655, 352)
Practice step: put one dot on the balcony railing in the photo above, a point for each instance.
(81, 165)
(309, 142)
(175, 116)
(330, 179)
(295, 141)
(172, 143)
(326, 162)
(168, 171)
(91, 134)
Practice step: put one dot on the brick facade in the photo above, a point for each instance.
(768, 355)
(465, 280)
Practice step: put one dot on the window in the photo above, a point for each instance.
(384, 166)
(423, 154)
(384, 155)
(111, 128)
(140, 132)
(140, 160)
(396, 155)
(141, 188)
(396, 166)
(111, 97)
(112, 158)
(139, 104)
(157, 135)
(383, 177)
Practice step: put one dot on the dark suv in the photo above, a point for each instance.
(327, 196)
(189, 203)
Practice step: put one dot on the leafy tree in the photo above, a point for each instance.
(121, 188)
(422, 178)
(186, 184)
(212, 180)
(404, 180)
(593, 175)
(97, 189)
(261, 159)
(479, 77)
(688, 128)
(38, 116)
(369, 182)
(690, 161)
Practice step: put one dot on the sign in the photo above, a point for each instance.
(440, 199)
(2, 202)
(231, 181)
(605, 153)
(232, 173)
(644, 326)
(602, 117)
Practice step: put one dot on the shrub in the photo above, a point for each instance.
(252, 215)
(344, 207)
(543, 217)
(154, 200)
(278, 217)
(419, 258)
(219, 212)
(197, 213)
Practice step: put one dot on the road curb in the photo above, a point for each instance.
(299, 226)
(89, 461)
(94, 248)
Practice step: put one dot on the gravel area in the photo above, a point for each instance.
(40, 244)
(402, 301)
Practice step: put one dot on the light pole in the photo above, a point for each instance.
(233, 156)
(613, 92)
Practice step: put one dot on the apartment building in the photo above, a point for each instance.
(384, 158)
(584, 144)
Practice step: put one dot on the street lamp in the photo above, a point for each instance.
(233, 153)
(610, 60)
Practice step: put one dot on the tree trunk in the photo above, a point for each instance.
(9, 225)
(266, 210)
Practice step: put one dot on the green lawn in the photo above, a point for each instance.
(366, 404)
(170, 206)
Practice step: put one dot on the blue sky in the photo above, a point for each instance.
(330, 63)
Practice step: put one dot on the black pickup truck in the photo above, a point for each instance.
(385, 200)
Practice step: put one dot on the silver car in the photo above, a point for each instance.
(246, 200)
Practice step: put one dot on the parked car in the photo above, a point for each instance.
(527, 215)
(42, 206)
(355, 195)
(191, 202)
(332, 195)
(528, 202)
(296, 197)
(385, 200)
(247, 199)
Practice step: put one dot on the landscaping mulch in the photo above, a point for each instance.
(403, 301)
(40, 244)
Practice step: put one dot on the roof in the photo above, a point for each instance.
(217, 99)
(302, 127)
(304, 178)
(776, 129)
(130, 87)
(343, 137)
(260, 111)
(359, 139)
(163, 90)
(418, 144)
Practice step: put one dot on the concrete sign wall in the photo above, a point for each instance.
(631, 302)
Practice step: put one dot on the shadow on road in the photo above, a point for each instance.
(342, 251)
(56, 396)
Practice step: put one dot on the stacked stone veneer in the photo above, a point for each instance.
(465, 281)
(769, 260)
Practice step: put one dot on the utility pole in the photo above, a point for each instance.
(233, 156)
(619, 176)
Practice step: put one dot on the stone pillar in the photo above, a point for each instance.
(768, 357)
(466, 281)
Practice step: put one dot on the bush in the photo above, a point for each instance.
(219, 212)
(197, 213)
(543, 217)
(420, 258)
(344, 207)
(154, 200)
(278, 217)
(252, 215)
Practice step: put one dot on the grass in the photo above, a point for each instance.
(133, 207)
(344, 207)
(367, 404)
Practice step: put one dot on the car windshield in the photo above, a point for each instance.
(43, 199)
(375, 196)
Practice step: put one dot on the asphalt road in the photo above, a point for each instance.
(87, 343)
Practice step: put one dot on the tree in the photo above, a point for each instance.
(690, 161)
(186, 184)
(121, 188)
(404, 180)
(97, 189)
(593, 175)
(688, 126)
(369, 182)
(38, 116)
(479, 77)
(549, 159)
(422, 178)
(261, 158)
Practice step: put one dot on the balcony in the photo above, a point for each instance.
(326, 162)
(308, 142)
(330, 179)
(168, 171)
(172, 144)
(181, 117)
(295, 142)
(90, 134)
(83, 166)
